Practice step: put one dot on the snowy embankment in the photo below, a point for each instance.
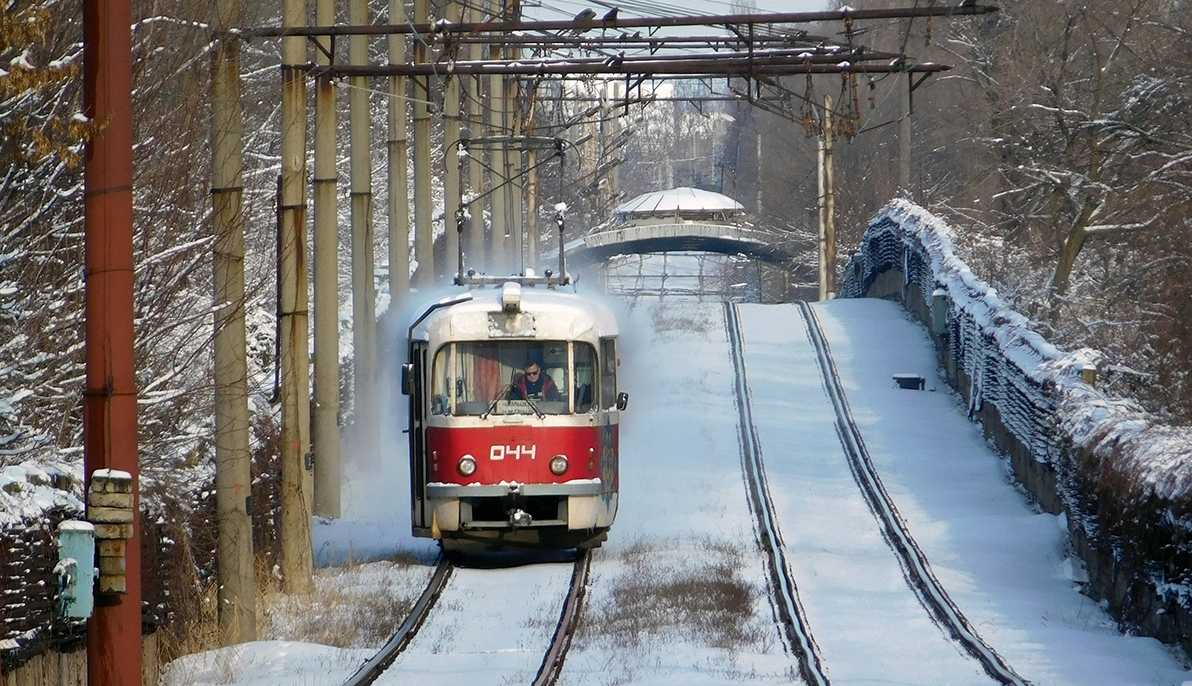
(1123, 478)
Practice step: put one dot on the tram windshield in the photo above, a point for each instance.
(479, 378)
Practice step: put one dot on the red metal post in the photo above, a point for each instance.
(110, 400)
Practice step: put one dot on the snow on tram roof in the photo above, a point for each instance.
(574, 316)
(679, 200)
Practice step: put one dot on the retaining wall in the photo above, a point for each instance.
(38, 648)
(1121, 479)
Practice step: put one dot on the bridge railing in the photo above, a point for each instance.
(1123, 479)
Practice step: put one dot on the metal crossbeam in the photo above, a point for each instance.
(579, 26)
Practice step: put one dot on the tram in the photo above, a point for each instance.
(514, 415)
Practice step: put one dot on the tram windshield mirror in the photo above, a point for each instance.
(497, 377)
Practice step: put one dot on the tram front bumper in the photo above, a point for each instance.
(572, 505)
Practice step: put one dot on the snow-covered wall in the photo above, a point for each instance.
(1123, 478)
(34, 500)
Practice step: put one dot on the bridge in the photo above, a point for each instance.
(679, 219)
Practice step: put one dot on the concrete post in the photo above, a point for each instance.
(501, 264)
(297, 559)
(365, 402)
(451, 176)
(474, 113)
(829, 268)
(533, 240)
(325, 435)
(399, 184)
(233, 459)
(424, 243)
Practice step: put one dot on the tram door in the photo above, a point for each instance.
(420, 515)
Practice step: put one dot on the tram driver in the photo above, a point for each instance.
(535, 384)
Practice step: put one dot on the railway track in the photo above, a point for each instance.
(376, 665)
(552, 663)
(916, 569)
(554, 657)
(796, 632)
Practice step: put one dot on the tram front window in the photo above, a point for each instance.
(513, 377)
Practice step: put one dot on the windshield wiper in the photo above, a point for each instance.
(500, 396)
(493, 405)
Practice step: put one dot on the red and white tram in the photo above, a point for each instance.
(514, 412)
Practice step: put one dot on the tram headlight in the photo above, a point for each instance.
(558, 465)
(466, 466)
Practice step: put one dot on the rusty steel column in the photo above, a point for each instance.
(297, 557)
(110, 398)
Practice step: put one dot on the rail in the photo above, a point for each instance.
(786, 594)
(914, 563)
(374, 666)
(552, 663)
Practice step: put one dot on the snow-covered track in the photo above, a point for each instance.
(915, 566)
(377, 664)
(552, 663)
(785, 596)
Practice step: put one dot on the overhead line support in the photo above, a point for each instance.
(582, 25)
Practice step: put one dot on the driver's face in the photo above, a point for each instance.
(533, 371)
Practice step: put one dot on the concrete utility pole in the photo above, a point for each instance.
(500, 262)
(297, 559)
(399, 185)
(233, 459)
(614, 177)
(451, 176)
(110, 398)
(759, 175)
(827, 232)
(534, 247)
(904, 119)
(474, 233)
(325, 420)
(424, 237)
(365, 402)
(904, 135)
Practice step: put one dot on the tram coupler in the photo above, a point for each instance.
(520, 517)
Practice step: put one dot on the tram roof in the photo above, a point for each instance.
(554, 315)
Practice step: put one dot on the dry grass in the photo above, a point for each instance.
(683, 319)
(702, 599)
(357, 606)
(200, 631)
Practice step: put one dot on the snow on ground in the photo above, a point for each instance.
(682, 501)
(684, 533)
(490, 626)
(1004, 564)
(266, 663)
(868, 622)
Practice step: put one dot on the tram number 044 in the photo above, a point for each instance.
(516, 452)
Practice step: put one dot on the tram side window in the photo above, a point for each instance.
(440, 385)
(608, 373)
(585, 376)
